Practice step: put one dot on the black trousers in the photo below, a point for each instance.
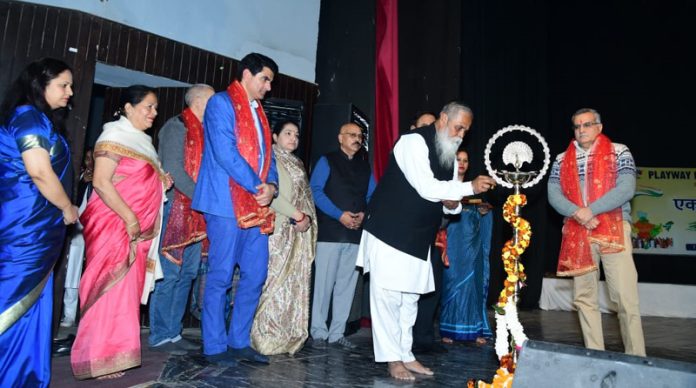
(424, 328)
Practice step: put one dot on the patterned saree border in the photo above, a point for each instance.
(119, 273)
(17, 310)
(105, 366)
(129, 153)
(165, 250)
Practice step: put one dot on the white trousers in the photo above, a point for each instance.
(76, 256)
(393, 315)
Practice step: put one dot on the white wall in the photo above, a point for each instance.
(285, 30)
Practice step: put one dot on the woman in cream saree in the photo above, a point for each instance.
(281, 320)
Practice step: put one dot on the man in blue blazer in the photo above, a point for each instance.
(236, 183)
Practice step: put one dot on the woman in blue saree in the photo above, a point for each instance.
(34, 209)
(465, 281)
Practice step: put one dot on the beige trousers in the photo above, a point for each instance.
(622, 282)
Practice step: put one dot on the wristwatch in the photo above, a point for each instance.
(275, 195)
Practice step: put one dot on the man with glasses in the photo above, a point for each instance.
(597, 228)
(342, 184)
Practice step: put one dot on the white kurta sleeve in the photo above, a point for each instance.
(456, 210)
(411, 154)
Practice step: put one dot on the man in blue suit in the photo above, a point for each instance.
(236, 183)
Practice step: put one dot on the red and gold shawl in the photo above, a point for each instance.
(186, 226)
(575, 258)
(247, 211)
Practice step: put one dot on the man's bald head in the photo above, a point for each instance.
(197, 97)
(350, 138)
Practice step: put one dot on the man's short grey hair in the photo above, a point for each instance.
(195, 92)
(597, 119)
(451, 109)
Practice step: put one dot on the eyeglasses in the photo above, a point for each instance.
(353, 135)
(584, 125)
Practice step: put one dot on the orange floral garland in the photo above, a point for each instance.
(511, 251)
(515, 273)
(503, 376)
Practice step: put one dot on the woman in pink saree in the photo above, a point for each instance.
(121, 231)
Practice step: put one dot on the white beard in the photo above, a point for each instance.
(446, 148)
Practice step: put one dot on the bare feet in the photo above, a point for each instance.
(111, 376)
(480, 341)
(448, 341)
(416, 367)
(398, 371)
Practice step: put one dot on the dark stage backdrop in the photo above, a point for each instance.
(345, 61)
(504, 78)
(534, 64)
(633, 62)
(429, 52)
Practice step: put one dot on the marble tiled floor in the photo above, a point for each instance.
(668, 338)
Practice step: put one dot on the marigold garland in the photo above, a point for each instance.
(512, 251)
(506, 312)
(503, 376)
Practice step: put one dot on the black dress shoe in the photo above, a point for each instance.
(223, 359)
(344, 343)
(248, 354)
(320, 344)
(61, 347)
(186, 345)
(169, 347)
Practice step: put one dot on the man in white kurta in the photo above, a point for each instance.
(419, 185)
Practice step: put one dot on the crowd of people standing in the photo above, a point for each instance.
(226, 186)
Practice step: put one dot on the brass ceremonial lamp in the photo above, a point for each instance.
(516, 154)
(521, 236)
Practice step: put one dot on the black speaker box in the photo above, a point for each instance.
(279, 109)
(545, 364)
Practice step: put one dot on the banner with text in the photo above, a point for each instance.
(664, 211)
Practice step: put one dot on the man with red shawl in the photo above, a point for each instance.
(236, 183)
(591, 184)
(181, 151)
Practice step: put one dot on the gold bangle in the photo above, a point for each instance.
(133, 224)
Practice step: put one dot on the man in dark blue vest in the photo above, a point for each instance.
(341, 184)
(402, 220)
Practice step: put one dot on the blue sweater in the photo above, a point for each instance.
(321, 200)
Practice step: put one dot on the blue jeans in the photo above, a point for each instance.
(168, 301)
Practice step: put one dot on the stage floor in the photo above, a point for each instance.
(668, 338)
